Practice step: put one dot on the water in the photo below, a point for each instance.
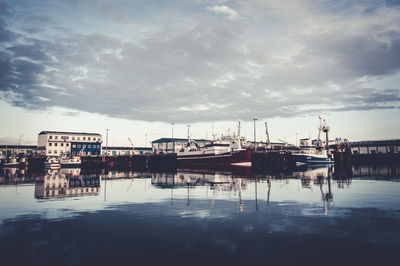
(196, 217)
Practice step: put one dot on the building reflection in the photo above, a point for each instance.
(66, 183)
(375, 171)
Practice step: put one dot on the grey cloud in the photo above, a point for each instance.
(361, 55)
(212, 71)
(30, 51)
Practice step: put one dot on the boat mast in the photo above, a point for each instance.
(268, 143)
(319, 132)
(325, 129)
(238, 136)
(188, 133)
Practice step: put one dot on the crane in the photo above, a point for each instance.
(267, 142)
(133, 147)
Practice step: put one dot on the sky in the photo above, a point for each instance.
(136, 67)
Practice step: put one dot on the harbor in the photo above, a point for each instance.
(199, 132)
(230, 196)
(69, 149)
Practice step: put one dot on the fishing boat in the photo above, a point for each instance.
(226, 151)
(317, 153)
(52, 163)
(312, 155)
(74, 161)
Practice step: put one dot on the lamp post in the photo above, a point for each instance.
(173, 141)
(255, 145)
(19, 143)
(107, 141)
(188, 127)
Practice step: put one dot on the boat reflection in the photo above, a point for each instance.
(66, 182)
(216, 181)
(12, 175)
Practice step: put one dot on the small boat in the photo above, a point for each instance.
(52, 163)
(74, 161)
(11, 161)
(3, 158)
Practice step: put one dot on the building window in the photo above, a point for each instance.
(73, 138)
(98, 139)
(88, 138)
(79, 146)
(50, 144)
(79, 138)
(49, 151)
(73, 153)
(55, 151)
(73, 146)
(84, 145)
(55, 144)
(56, 137)
(84, 138)
(50, 137)
(62, 144)
(67, 144)
(98, 146)
(89, 146)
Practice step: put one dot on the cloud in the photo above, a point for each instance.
(224, 10)
(206, 70)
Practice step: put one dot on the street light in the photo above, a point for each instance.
(173, 141)
(255, 146)
(107, 141)
(19, 143)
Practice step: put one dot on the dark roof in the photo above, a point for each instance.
(375, 142)
(18, 146)
(164, 140)
(127, 148)
(68, 133)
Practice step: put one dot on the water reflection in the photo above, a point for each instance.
(12, 175)
(376, 171)
(220, 181)
(238, 218)
(66, 182)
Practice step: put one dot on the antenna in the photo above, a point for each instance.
(133, 147)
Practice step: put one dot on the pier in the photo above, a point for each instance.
(274, 160)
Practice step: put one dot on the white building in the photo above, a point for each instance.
(54, 143)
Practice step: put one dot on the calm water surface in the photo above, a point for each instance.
(312, 216)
